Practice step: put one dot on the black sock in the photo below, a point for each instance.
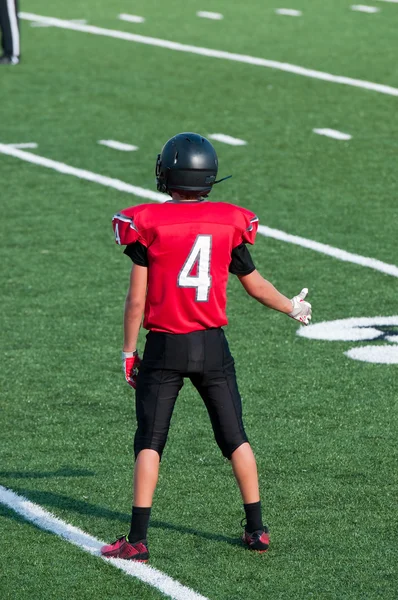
(253, 516)
(139, 524)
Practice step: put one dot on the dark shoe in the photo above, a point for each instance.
(121, 548)
(257, 540)
(9, 60)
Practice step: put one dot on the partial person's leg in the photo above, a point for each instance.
(156, 394)
(9, 24)
(219, 389)
(245, 470)
(221, 397)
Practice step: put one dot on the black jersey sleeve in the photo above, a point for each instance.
(138, 254)
(242, 262)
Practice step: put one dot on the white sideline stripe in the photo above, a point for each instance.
(28, 145)
(291, 12)
(12, 15)
(45, 520)
(394, 1)
(242, 58)
(204, 14)
(357, 259)
(117, 184)
(118, 145)
(131, 18)
(365, 9)
(227, 139)
(333, 133)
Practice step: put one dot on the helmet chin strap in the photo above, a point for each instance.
(223, 179)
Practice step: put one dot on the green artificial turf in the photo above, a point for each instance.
(323, 426)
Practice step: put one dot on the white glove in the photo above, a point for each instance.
(301, 310)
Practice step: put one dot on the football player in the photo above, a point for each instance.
(182, 253)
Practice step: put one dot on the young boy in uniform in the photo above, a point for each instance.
(182, 253)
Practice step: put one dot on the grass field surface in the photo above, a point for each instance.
(323, 426)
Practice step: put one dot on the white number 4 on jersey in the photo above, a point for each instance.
(200, 255)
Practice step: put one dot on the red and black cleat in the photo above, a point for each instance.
(121, 548)
(258, 540)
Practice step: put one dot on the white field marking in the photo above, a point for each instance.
(394, 1)
(333, 133)
(38, 24)
(357, 259)
(204, 14)
(241, 58)
(118, 145)
(364, 8)
(290, 12)
(384, 355)
(227, 139)
(48, 522)
(117, 184)
(131, 18)
(353, 329)
(28, 145)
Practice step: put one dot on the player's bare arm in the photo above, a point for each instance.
(134, 306)
(133, 312)
(265, 293)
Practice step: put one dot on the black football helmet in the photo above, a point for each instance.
(188, 162)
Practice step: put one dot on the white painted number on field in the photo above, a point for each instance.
(290, 12)
(227, 139)
(198, 257)
(333, 133)
(364, 8)
(382, 329)
(204, 14)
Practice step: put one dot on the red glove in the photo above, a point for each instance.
(131, 364)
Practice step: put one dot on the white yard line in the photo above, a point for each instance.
(131, 18)
(27, 145)
(333, 133)
(241, 58)
(364, 8)
(227, 139)
(204, 14)
(357, 259)
(392, 1)
(118, 145)
(290, 12)
(38, 24)
(48, 522)
(117, 184)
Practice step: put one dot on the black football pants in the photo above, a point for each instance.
(9, 26)
(202, 356)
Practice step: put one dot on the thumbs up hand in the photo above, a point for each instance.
(301, 310)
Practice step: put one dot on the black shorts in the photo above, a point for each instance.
(202, 356)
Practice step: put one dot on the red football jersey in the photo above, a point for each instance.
(189, 252)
